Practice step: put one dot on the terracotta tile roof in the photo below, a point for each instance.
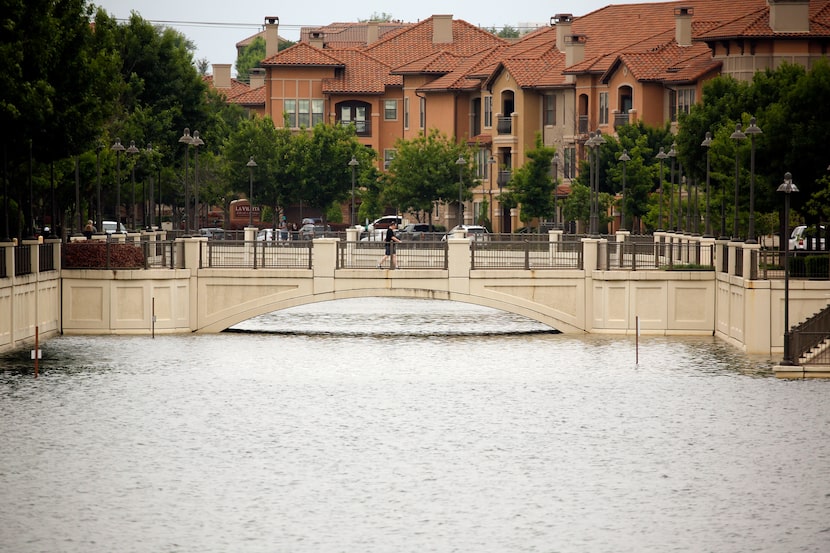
(253, 97)
(462, 75)
(302, 54)
(415, 42)
(349, 34)
(438, 62)
(670, 64)
(755, 24)
(364, 75)
(237, 87)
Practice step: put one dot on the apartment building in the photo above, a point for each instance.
(617, 65)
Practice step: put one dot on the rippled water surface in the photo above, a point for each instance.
(395, 425)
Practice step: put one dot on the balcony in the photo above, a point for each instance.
(362, 128)
(504, 177)
(505, 125)
(582, 124)
(620, 119)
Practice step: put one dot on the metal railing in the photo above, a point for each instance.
(46, 257)
(802, 265)
(504, 125)
(110, 254)
(808, 339)
(409, 255)
(526, 254)
(22, 261)
(287, 254)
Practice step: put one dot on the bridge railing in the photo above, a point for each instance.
(410, 255)
(526, 254)
(641, 255)
(288, 254)
(113, 254)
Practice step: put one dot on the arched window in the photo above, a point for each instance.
(359, 113)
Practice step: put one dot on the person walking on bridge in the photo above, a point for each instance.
(390, 241)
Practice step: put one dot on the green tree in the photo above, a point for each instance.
(532, 185)
(424, 170)
(250, 57)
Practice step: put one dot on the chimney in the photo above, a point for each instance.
(562, 22)
(574, 49)
(257, 77)
(789, 16)
(272, 37)
(372, 32)
(222, 75)
(683, 25)
(441, 29)
(315, 38)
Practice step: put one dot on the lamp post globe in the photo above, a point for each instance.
(787, 187)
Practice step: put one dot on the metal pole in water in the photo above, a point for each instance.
(153, 317)
(637, 340)
(36, 351)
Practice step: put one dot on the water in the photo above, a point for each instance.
(406, 425)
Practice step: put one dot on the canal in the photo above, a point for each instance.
(408, 425)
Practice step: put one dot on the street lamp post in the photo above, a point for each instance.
(661, 155)
(707, 143)
(624, 158)
(195, 141)
(98, 216)
(251, 164)
(461, 162)
(555, 166)
(492, 163)
(594, 142)
(132, 150)
(353, 164)
(118, 148)
(736, 136)
(787, 187)
(752, 130)
(150, 207)
(185, 139)
(672, 154)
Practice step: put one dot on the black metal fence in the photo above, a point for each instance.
(288, 254)
(526, 254)
(808, 341)
(426, 254)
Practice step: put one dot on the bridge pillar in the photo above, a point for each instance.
(459, 261)
(323, 263)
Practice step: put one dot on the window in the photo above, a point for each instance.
(549, 109)
(603, 108)
(388, 156)
(316, 112)
(290, 113)
(488, 112)
(482, 158)
(303, 113)
(569, 168)
(390, 110)
(356, 113)
(685, 100)
(423, 115)
(406, 113)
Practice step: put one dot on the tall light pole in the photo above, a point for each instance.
(150, 207)
(787, 187)
(707, 143)
(353, 164)
(736, 136)
(195, 141)
(185, 139)
(461, 162)
(251, 164)
(624, 158)
(99, 216)
(118, 148)
(672, 154)
(752, 130)
(555, 166)
(661, 155)
(132, 150)
(490, 164)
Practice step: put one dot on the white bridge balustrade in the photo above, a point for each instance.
(670, 283)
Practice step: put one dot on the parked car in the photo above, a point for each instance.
(111, 226)
(415, 231)
(213, 233)
(385, 221)
(801, 235)
(309, 231)
(474, 232)
(268, 235)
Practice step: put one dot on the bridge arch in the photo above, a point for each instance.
(233, 317)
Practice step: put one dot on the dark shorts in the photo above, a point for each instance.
(390, 248)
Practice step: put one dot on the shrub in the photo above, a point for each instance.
(92, 254)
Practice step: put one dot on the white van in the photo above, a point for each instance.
(111, 226)
(798, 239)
